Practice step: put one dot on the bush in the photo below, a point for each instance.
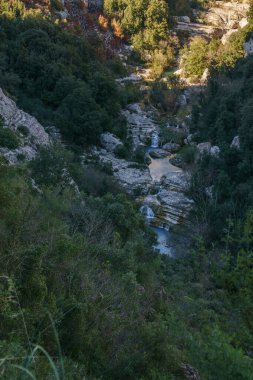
(168, 135)
(56, 77)
(139, 154)
(121, 152)
(23, 130)
(8, 138)
(188, 154)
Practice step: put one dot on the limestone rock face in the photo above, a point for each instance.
(14, 118)
(131, 176)
(227, 15)
(109, 141)
(18, 155)
(217, 20)
(17, 120)
(170, 204)
(140, 124)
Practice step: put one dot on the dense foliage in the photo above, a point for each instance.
(147, 25)
(201, 54)
(226, 112)
(82, 293)
(79, 278)
(56, 76)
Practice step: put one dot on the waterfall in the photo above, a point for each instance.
(147, 212)
(154, 140)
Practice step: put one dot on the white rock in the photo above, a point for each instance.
(129, 175)
(215, 151)
(14, 156)
(171, 147)
(204, 147)
(236, 143)
(189, 140)
(244, 22)
(109, 141)
(136, 108)
(14, 118)
(205, 76)
(182, 100)
(185, 19)
(131, 78)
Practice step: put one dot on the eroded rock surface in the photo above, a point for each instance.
(132, 177)
(109, 141)
(140, 124)
(18, 120)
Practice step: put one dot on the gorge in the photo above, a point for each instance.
(126, 201)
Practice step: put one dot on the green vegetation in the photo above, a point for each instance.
(147, 25)
(201, 54)
(226, 112)
(8, 138)
(82, 293)
(56, 77)
(79, 279)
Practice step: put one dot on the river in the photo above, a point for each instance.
(158, 168)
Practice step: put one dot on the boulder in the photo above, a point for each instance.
(177, 161)
(188, 140)
(184, 19)
(244, 22)
(158, 153)
(182, 100)
(171, 147)
(130, 176)
(204, 147)
(205, 76)
(136, 108)
(109, 141)
(147, 159)
(215, 151)
(236, 143)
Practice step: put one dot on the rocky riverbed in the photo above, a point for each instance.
(160, 187)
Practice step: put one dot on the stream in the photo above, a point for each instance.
(158, 168)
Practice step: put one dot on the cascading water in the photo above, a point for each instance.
(154, 140)
(162, 234)
(147, 212)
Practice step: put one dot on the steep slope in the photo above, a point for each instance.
(29, 131)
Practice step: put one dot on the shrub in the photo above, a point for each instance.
(8, 138)
(121, 152)
(188, 154)
(168, 135)
(139, 154)
(23, 130)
